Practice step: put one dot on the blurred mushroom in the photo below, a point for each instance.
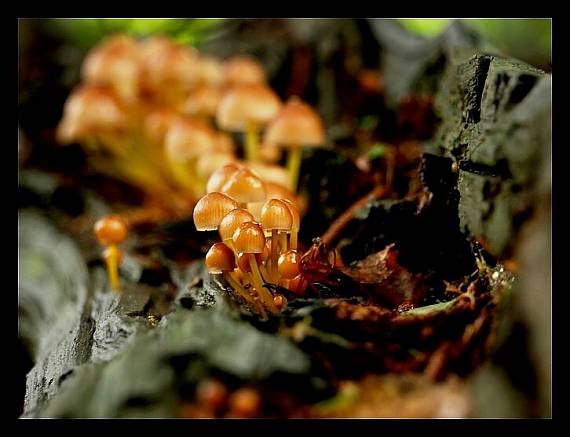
(296, 125)
(247, 108)
(243, 70)
(116, 63)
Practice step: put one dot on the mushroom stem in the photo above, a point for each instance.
(251, 143)
(283, 241)
(293, 239)
(264, 272)
(293, 167)
(183, 175)
(274, 256)
(234, 283)
(258, 302)
(112, 261)
(265, 296)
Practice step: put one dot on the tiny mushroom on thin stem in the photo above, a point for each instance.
(244, 265)
(110, 231)
(220, 260)
(296, 125)
(247, 108)
(249, 239)
(276, 217)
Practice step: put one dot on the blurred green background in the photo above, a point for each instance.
(527, 39)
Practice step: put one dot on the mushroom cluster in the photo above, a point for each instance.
(258, 223)
(159, 115)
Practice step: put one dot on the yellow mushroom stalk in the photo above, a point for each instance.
(110, 231)
(296, 125)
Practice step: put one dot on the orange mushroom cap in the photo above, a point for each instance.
(111, 229)
(115, 62)
(241, 70)
(188, 138)
(249, 238)
(167, 65)
(219, 259)
(275, 215)
(202, 101)
(211, 209)
(288, 264)
(91, 109)
(297, 124)
(219, 177)
(232, 221)
(244, 186)
(243, 104)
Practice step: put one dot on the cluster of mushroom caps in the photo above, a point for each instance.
(258, 223)
(159, 114)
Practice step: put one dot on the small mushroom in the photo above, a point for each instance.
(273, 191)
(169, 69)
(249, 239)
(231, 222)
(90, 112)
(110, 231)
(289, 264)
(247, 108)
(276, 218)
(220, 260)
(245, 186)
(296, 125)
(116, 63)
(242, 70)
(219, 177)
(202, 102)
